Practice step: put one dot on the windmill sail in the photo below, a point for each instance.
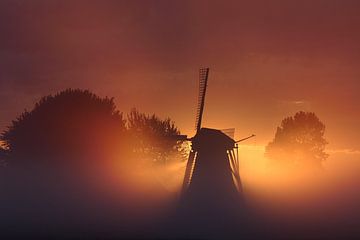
(189, 169)
(234, 164)
(229, 132)
(203, 78)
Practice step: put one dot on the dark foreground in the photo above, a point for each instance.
(49, 210)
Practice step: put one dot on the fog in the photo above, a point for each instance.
(307, 203)
(138, 199)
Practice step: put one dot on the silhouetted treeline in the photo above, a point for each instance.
(77, 125)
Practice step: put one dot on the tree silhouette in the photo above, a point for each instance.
(299, 141)
(76, 125)
(153, 138)
(71, 124)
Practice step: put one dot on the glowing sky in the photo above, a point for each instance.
(268, 59)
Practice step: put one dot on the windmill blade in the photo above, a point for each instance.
(188, 171)
(230, 132)
(253, 135)
(203, 78)
(234, 163)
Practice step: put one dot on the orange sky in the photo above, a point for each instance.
(267, 59)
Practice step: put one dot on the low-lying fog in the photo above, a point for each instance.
(136, 198)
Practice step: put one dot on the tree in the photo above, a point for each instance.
(299, 141)
(72, 124)
(153, 139)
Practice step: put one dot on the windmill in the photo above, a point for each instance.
(214, 153)
(211, 201)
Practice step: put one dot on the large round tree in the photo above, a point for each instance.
(72, 125)
(299, 141)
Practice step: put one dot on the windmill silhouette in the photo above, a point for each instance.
(212, 186)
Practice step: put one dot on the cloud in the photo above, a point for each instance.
(293, 106)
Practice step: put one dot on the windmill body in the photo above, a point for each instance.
(212, 187)
(211, 205)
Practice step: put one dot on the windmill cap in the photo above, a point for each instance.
(211, 139)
